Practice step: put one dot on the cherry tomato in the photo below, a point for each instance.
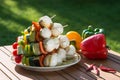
(18, 58)
(14, 52)
(14, 45)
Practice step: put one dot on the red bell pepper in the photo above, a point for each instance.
(94, 47)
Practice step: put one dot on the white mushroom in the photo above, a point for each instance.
(50, 60)
(57, 29)
(47, 60)
(57, 43)
(45, 21)
(64, 41)
(53, 60)
(61, 55)
(59, 60)
(45, 33)
(49, 44)
(70, 51)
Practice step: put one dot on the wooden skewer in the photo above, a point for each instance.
(65, 25)
(53, 16)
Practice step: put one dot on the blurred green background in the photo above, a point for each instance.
(16, 15)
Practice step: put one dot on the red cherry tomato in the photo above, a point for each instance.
(18, 58)
(14, 52)
(14, 45)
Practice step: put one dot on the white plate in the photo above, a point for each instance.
(65, 64)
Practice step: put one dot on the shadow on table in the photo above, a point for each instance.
(28, 73)
(47, 75)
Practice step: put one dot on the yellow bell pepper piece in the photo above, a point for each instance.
(75, 36)
(25, 39)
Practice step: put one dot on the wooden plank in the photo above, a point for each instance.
(114, 59)
(65, 75)
(7, 72)
(3, 76)
(114, 53)
(33, 75)
(77, 74)
(3, 50)
(17, 71)
(9, 48)
(52, 75)
(39, 76)
(114, 56)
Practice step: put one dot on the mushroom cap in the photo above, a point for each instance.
(45, 21)
(64, 41)
(62, 54)
(49, 44)
(57, 42)
(53, 60)
(70, 50)
(57, 29)
(45, 33)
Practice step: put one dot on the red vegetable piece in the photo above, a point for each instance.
(14, 52)
(90, 67)
(94, 47)
(18, 58)
(106, 69)
(96, 70)
(14, 45)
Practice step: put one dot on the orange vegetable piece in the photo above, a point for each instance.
(37, 26)
(75, 36)
(41, 58)
(42, 48)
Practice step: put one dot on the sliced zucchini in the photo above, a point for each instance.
(36, 61)
(27, 61)
(28, 50)
(23, 60)
(36, 49)
(31, 61)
